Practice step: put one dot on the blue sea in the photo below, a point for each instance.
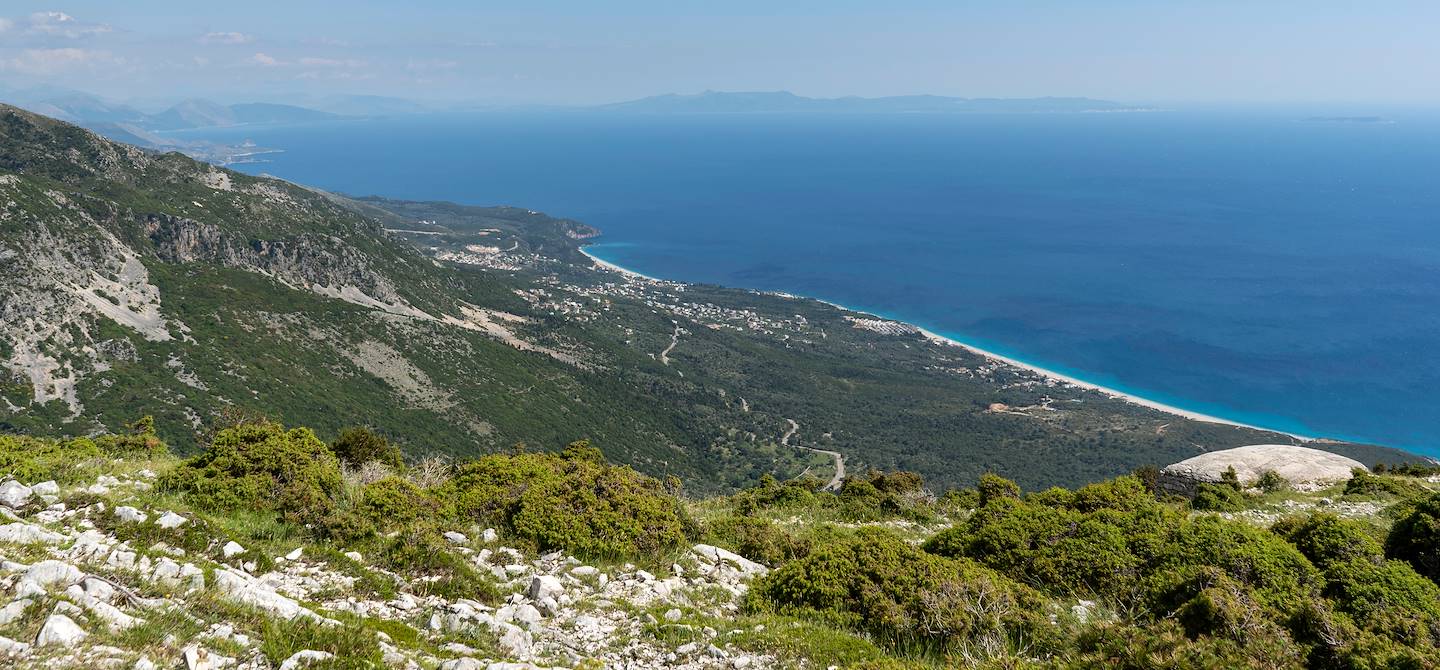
(1256, 265)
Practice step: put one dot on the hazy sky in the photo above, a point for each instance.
(585, 51)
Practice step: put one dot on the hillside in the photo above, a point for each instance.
(142, 283)
(272, 549)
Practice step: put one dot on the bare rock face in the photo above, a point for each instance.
(1304, 468)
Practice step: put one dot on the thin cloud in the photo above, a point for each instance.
(54, 61)
(264, 60)
(6, 24)
(226, 38)
(60, 24)
(430, 64)
(331, 62)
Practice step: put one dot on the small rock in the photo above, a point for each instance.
(644, 576)
(49, 488)
(130, 514)
(144, 663)
(354, 556)
(672, 615)
(200, 658)
(489, 535)
(60, 629)
(231, 549)
(462, 664)
(456, 538)
(171, 520)
(305, 657)
(12, 648)
(740, 662)
(13, 494)
(13, 610)
(545, 586)
(296, 554)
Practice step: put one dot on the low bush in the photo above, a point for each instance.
(1271, 481)
(358, 446)
(877, 583)
(761, 540)
(1415, 538)
(570, 502)
(32, 460)
(262, 466)
(1217, 498)
(1091, 542)
(1363, 483)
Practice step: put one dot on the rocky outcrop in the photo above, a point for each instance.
(1303, 467)
(554, 609)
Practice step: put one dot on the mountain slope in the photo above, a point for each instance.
(140, 283)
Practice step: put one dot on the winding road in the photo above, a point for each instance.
(839, 478)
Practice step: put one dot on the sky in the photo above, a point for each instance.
(581, 52)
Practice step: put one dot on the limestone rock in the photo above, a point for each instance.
(59, 630)
(1303, 467)
(305, 657)
(130, 514)
(13, 494)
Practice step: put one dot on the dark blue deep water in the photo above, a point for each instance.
(1254, 266)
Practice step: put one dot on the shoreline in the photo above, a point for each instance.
(939, 339)
(616, 268)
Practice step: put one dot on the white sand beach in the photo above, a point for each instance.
(948, 341)
(1128, 397)
(616, 268)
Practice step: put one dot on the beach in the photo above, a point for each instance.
(942, 340)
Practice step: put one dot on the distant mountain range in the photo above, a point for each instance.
(87, 109)
(720, 102)
(130, 124)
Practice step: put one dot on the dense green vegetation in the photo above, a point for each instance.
(884, 572)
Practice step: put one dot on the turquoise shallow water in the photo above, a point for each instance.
(1250, 265)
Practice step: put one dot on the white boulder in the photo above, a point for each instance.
(1303, 467)
(60, 630)
(13, 494)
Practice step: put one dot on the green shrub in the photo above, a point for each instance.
(32, 460)
(1276, 571)
(758, 539)
(394, 502)
(1326, 539)
(1363, 483)
(261, 466)
(994, 487)
(876, 583)
(1415, 538)
(1270, 481)
(1090, 542)
(586, 507)
(1217, 498)
(358, 446)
